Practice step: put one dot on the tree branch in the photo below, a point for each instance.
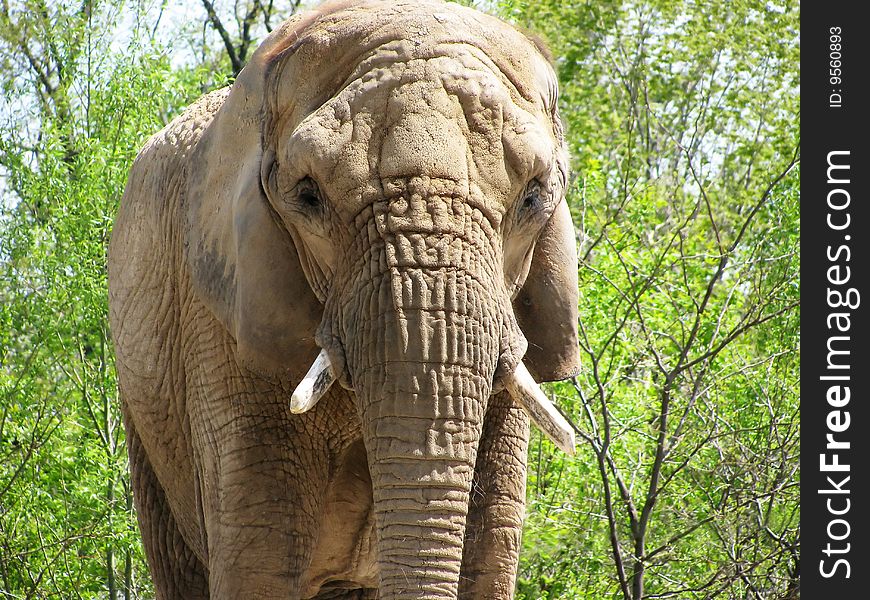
(225, 36)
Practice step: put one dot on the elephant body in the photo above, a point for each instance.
(383, 186)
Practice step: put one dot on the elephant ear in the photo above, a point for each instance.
(242, 262)
(546, 306)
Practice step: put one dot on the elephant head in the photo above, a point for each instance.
(383, 190)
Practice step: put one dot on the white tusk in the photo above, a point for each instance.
(315, 384)
(526, 391)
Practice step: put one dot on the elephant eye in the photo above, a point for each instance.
(309, 199)
(532, 198)
(307, 194)
(535, 206)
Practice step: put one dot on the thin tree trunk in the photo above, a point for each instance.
(128, 557)
(110, 553)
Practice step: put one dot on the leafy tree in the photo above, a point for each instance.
(74, 115)
(682, 124)
(249, 18)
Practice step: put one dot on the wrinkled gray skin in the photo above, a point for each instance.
(384, 181)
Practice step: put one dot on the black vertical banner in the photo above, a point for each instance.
(835, 299)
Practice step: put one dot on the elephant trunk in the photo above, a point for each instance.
(422, 467)
(419, 331)
(423, 385)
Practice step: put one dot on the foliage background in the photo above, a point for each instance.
(681, 119)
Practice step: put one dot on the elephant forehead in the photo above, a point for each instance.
(349, 37)
(448, 117)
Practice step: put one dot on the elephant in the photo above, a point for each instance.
(333, 288)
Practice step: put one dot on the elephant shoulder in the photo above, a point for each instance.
(145, 237)
(156, 183)
(183, 132)
(166, 153)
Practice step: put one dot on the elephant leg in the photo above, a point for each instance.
(267, 509)
(495, 518)
(261, 546)
(176, 571)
